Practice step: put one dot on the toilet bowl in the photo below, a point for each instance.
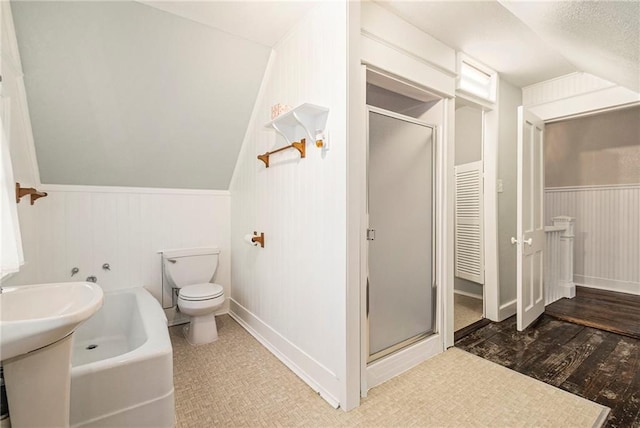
(190, 270)
(199, 302)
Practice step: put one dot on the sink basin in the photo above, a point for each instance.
(34, 316)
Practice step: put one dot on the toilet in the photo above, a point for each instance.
(190, 271)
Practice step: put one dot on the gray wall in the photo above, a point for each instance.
(594, 150)
(510, 98)
(468, 135)
(123, 94)
(468, 141)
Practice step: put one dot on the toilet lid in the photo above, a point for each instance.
(201, 291)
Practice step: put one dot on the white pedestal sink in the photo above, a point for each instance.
(36, 326)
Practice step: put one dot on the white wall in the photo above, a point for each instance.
(25, 167)
(509, 98)
(607, 233)
(573, 94)
(396, 48)
(291, 294)
(85, 227)
(391, 44)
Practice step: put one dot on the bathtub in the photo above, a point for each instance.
(122, 365)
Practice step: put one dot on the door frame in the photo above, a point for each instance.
(443, 336)
(421, 337)
(491, 308)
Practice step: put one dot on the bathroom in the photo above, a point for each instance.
(143, 122)
(113, 206)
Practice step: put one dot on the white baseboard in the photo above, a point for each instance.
(314, 374)
(628, 287)
(466, 293)
(507, 310)
(391, 366)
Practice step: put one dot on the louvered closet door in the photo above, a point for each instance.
(400, 181)
(469, 245)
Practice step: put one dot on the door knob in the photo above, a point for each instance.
(514, 240)
(528, 241)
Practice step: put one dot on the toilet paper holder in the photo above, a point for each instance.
(258, 239)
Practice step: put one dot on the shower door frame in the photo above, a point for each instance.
(421, 337)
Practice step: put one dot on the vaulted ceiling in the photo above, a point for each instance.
(159, 93)
(121, 93)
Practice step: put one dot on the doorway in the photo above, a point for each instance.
(401, 321)
(469, 266)
(400, 292)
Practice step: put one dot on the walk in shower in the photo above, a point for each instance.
(400, 205)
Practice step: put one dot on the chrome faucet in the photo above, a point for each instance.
(92, 278)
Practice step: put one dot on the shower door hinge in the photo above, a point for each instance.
(371, 234)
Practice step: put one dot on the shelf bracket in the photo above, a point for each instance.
(24, 191)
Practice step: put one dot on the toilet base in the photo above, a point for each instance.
(201, 330)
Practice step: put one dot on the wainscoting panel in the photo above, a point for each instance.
(607, 234)
(85, 227)
(562, 87)
(295, 285)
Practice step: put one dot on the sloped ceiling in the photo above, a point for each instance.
(124, 94)
(601, 38)
(529, 42)
(489, 33)
(264, 22)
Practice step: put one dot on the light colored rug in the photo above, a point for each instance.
(466, 311)
(236, 382)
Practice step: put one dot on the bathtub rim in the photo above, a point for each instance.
(157, 344)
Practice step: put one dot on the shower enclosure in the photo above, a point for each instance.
(400, 205)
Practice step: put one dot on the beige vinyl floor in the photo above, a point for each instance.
(236, 382)
(466, 311)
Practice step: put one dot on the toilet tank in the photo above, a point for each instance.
(189, 266)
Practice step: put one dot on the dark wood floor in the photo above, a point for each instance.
(598, 365)
(605, 310)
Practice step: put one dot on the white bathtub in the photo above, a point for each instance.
(122, 365)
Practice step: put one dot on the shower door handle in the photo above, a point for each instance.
(367, 297)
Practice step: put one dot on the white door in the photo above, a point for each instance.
(530, 222)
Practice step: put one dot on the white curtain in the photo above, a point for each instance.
(11, 256)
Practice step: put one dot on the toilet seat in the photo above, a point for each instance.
(198, 292)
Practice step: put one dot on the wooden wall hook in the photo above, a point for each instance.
(24, 191)
(258, 239)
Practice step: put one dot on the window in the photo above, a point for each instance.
(476, 79)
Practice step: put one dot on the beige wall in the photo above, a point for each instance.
(602, 149)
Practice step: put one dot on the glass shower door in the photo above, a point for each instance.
(400, 207)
